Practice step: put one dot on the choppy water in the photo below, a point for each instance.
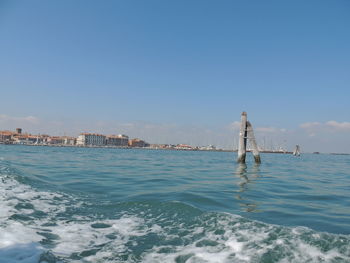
(110, 205)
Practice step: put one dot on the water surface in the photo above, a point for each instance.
(122, 205)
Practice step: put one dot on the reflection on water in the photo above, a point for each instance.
(246, 180)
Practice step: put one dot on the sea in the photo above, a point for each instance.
(69, 204)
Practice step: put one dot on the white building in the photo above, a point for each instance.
(69, 140)
(91, 139)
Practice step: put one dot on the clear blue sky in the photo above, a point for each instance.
(198, 62)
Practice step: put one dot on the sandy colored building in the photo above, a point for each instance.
(137, 143)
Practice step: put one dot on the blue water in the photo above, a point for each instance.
(62, 204)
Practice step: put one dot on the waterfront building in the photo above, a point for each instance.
(162, 146)
(33, 139)
(55, 140)
(124, 139)
(137, 143)
(6, 136)
(24, 139)
(117, 140)
(208, 148)
(43, 138)
(69, 140)
(92, 139)
(184, 147)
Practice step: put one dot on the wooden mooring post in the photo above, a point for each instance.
(242, 142)
(252, 140)
(246, 132)
(297, 150)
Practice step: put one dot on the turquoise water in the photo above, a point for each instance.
(122, 205)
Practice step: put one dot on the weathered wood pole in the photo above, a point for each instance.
(251, 137)
(297, 150)
(242, 142)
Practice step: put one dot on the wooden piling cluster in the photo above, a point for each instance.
(246, 132)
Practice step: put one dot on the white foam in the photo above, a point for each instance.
(19, 240)
(128, 226)
(239, 240)
(21, 253)
(18, 243)
(76, 237)
(246, 242)
(16, 233)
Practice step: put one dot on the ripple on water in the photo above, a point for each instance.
(150, 232)
(40, 223)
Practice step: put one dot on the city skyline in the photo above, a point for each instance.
(181, 71)
(226, 137)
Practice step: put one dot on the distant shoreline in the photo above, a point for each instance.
(117, 147)
(151, 148)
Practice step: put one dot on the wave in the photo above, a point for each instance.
(42, 226)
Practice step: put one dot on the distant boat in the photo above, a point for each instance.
(296, 151)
